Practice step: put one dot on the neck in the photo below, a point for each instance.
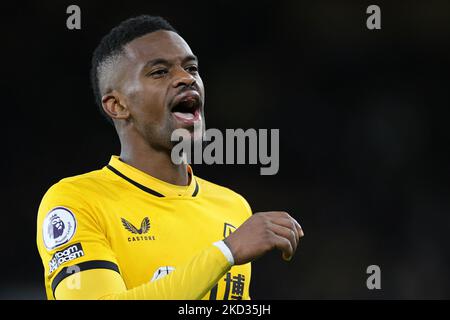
(156, 163)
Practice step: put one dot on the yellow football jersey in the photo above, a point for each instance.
(144, 229)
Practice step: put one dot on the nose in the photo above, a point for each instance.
(183, 78)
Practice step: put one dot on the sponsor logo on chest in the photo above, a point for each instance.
(135, 234)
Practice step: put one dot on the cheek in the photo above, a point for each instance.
(148, 105)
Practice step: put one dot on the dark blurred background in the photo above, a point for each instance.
(363, 118)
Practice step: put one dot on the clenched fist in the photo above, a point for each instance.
(263, 232)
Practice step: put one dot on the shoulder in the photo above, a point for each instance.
(76, 193)
(214, 190)
(76, 186)
(71, 202)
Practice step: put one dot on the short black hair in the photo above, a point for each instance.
(113, 43)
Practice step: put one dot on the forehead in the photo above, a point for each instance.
(159, 44)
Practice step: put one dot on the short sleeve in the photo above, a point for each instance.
(70, 237)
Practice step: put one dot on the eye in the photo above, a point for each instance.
(192, 69)
(157, 73)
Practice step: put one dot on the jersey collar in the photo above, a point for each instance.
(149, 184)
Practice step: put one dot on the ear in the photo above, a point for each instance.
(113, 106)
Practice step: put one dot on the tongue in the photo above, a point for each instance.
(187, 115)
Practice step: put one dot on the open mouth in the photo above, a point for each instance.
(187, 107)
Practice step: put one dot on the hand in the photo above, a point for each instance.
(263, 232)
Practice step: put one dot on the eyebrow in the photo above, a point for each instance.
(156, 61)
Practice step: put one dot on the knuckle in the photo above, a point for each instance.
(273, 241)
(262, 217)
(292, 235)
(267, 236)
(288, 245)
(285, 214)
(293, 227)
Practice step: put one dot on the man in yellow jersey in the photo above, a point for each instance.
(143, 227)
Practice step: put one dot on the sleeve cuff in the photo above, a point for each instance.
(225, 250)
